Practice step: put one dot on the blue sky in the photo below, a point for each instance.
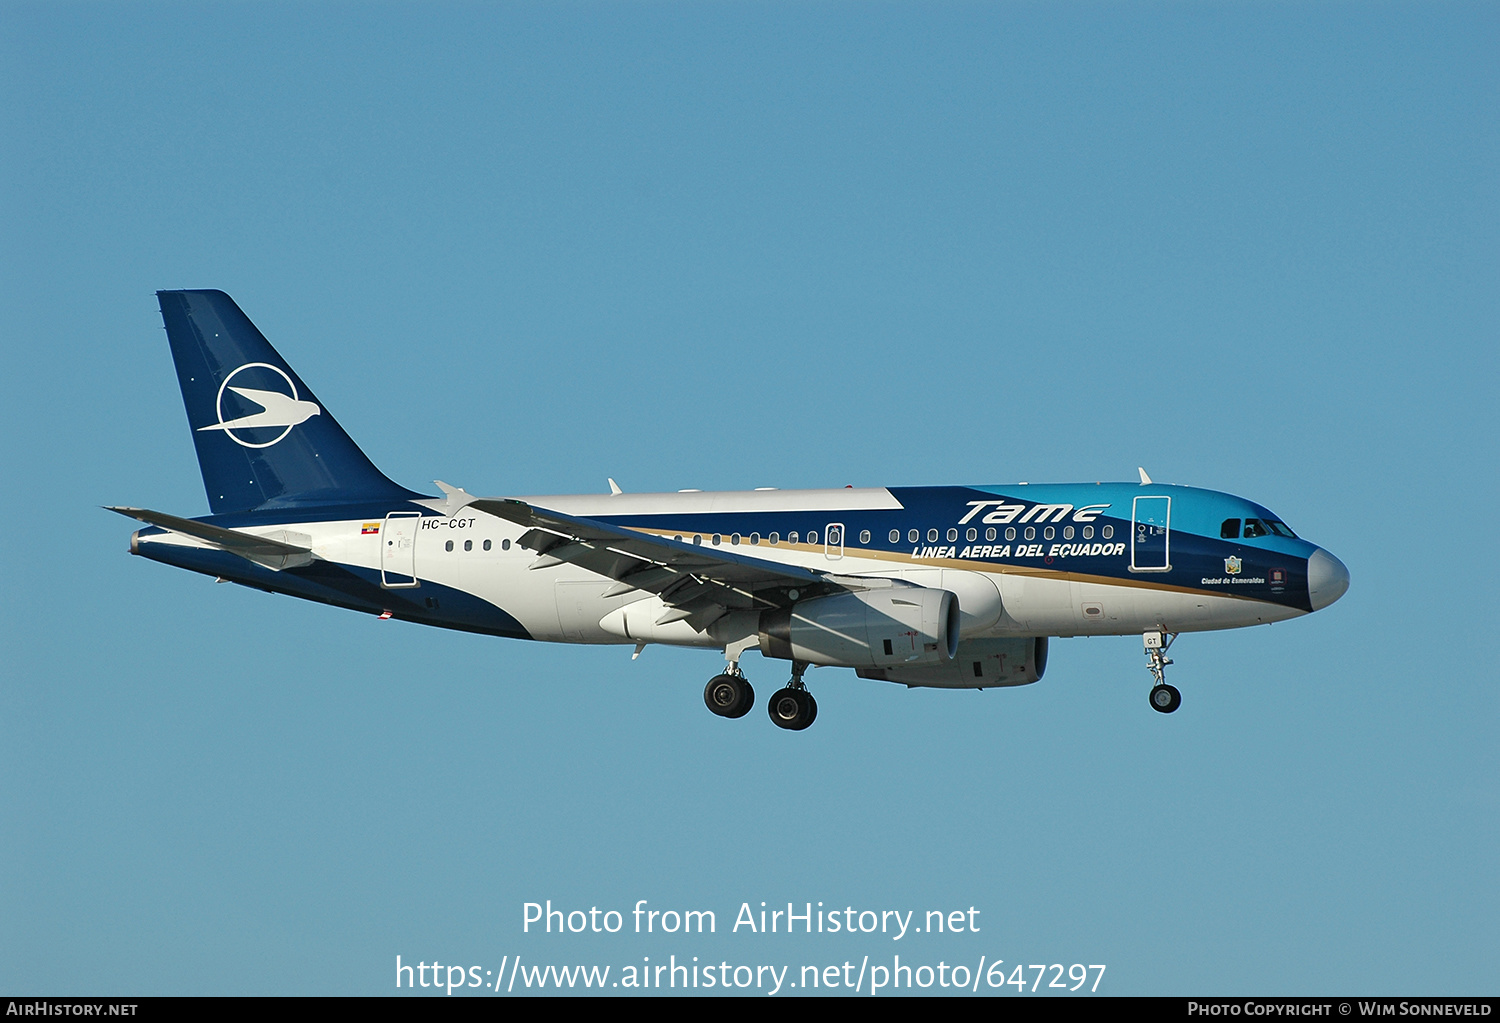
(521, 248)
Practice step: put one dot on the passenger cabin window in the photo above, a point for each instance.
(1254, 528)
(864, 536)
(895, 536)
(1230, 530)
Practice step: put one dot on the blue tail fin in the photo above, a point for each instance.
(263, 439)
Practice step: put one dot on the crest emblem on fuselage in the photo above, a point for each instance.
(1232, 565)
(278, 408)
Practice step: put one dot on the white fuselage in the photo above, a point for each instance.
(564, 603)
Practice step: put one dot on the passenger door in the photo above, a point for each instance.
(1150, 534)
(398, 550)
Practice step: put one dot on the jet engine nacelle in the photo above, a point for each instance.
(978, 664)
(898, 625)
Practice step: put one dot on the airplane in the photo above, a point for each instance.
(953, 587)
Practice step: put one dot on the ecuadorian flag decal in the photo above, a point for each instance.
(370, 527)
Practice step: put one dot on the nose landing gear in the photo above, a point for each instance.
(1164, 698)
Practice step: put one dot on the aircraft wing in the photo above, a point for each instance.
(699, 584)
(275, 552)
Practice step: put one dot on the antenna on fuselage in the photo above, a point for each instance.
(1145, 480)
(614, 488)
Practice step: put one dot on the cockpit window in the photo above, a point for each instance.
(1262, 527)
(1230, 530)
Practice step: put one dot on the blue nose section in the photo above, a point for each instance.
(1327, 579)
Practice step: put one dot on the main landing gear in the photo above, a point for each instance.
(1164, 698)
(730, 696)
(793, 708)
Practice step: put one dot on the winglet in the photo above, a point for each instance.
(1145, 480)
(454, 499)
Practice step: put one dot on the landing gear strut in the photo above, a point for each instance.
(1164, 698)
(793, 708)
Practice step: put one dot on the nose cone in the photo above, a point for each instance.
(1327, 579)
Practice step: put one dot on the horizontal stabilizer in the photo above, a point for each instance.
(271, 552)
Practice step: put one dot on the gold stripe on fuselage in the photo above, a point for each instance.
(961, 564)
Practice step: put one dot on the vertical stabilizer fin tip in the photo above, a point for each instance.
(614, 488)
(1145, 480)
